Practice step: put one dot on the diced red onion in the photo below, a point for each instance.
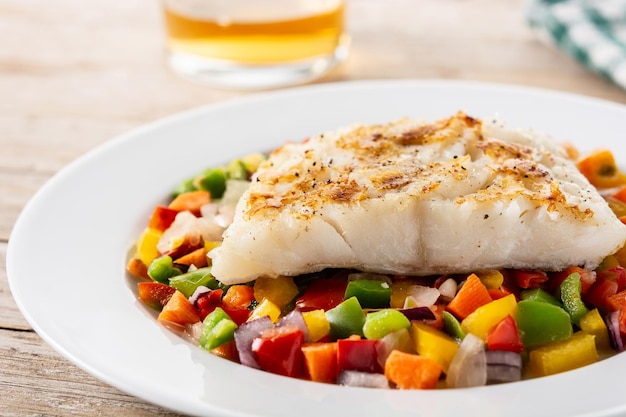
(192, 332)
(362, 379)
(469, 365)
(503, 366)
(245, 335)
(398, 340)
(448, 288)
(418, 313)
(421, 296)
(503, 357)
(503, 373)
(197, 293)
(612, 322)
(294, 318)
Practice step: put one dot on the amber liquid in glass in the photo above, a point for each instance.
(285, 39)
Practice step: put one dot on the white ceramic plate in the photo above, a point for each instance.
(68, 249)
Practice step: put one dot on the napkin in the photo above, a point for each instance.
(591, 31)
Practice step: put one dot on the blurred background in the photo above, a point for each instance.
(75, 73)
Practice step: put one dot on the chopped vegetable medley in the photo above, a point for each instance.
(383, 331)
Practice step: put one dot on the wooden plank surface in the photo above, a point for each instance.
(72, 76)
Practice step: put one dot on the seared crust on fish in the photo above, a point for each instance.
(416, 198)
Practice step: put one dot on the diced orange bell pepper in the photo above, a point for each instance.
(320, 361)
(601, 170)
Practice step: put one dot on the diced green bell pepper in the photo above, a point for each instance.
(236, 170)
(539, 294)
(162, 269)
(540, 322)
(452, 326)
(346, 319)
(213, 180)
(370, 293)
(184, 187)
(187, 283)
(217, 328)
(570, 296)
(380, 323)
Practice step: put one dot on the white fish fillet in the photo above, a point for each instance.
(417, 198)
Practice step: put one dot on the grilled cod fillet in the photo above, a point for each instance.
(416, 198)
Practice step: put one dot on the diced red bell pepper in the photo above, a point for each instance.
(162, 218)
(208, 301)
(599, 292)
(356, 354)
(505, 336)
(279, 350)
(616, 274)
(497, 293)
(325, 293)
(529, 278)
(155, 294)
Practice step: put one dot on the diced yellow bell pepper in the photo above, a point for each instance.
(593, 323)
(209, 245)
(265, 308)
(485, 317)
(399, 291)
(620, 256)
(147, 245)
(565, 355)
(317, 323)
(280, 290)
(434, 344)
(491, 278)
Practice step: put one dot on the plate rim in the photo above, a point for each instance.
(119, 140)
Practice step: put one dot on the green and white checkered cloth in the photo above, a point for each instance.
(592, 31)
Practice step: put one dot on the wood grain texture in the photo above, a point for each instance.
(73, 77)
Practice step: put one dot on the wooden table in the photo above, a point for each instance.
(73, 74)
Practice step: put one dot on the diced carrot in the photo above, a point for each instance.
(196, 257)
(155, 294)
(238, 296)
(236, 302)
(227, 351)
(321, 361)
(601, 170)
(137, 268)
(410, 371)
(472, 295)
(162, 218)
(179, 310)
(192, 201)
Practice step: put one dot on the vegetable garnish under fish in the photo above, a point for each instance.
(417, 198)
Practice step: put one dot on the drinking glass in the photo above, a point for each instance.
(255, 44)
